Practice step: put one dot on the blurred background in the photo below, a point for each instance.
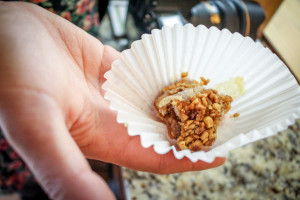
(274, 23)
(267, 169)
(128, 20)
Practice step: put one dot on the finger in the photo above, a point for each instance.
(109, 55)
(121, 149)
(149, 160)
(127, 151)
(35, 127)
(91, 55)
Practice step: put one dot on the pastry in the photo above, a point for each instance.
(192, 112)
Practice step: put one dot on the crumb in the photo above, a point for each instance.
(184, 74)
(235, 115)
(204, 81)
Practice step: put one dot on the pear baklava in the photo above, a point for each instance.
(191, 112)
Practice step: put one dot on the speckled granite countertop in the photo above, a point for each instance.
(267, 169)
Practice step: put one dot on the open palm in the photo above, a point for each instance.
(52, 108)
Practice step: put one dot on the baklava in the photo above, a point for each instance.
(192, 112)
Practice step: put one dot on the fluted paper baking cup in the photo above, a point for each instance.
(270, 104)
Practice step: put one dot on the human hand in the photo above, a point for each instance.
(52, 108)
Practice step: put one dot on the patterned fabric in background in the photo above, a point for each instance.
(13, 171)
(82, 13)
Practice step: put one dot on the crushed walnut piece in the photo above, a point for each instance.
(191, 112)
(235, 115)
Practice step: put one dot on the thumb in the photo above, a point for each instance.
(35, 126)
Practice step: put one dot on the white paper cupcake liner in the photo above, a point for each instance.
(270, 104)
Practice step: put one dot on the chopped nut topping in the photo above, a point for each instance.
(192, 119)
(208, 121)
(217, 106)
(181, 145)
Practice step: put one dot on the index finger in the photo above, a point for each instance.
(139, 158)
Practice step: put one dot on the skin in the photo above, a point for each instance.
(52, 109)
